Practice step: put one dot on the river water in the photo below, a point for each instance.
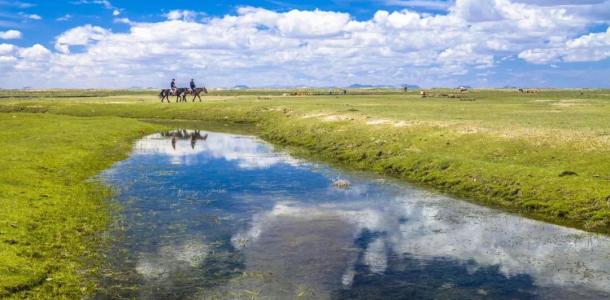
(208, 215)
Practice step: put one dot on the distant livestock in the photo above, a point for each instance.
(532, 91)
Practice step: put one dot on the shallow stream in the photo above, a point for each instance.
(213, 215)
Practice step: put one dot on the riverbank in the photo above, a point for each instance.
(52, 213)
(543, 156)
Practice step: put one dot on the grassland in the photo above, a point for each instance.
(542, 155)
(51, 213)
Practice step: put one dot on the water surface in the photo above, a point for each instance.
(213, 215)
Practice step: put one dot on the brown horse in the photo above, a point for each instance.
(196, 92)
(180, 94)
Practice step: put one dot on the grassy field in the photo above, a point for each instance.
(52, 213)
(542, 155)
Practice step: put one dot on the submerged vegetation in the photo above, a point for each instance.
(543, 155)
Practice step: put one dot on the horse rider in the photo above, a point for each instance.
(193, 85)
(173, 86)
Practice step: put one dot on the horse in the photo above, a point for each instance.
(165, 93)
(197, 91)
(180, 94)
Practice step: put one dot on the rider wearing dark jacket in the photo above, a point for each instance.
(192, 84)
(173, 86)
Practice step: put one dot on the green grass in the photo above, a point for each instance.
(52, 213)
(543, 155)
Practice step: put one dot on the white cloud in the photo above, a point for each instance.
(183, 14)
(34, 17)
(312, 24)
(5, 59)
(429, 4)
(105, 3)
(17, 4)
(10, 35)
(7, 49)
(122, 21)
(36, 52)
(256, 46)
(29, 16)
(590, 47)
(80, 36)
(8, 54)
(65, 17)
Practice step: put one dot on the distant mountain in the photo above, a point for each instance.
(241, 87)
(381, 86)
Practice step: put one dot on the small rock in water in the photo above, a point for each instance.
(342, 184)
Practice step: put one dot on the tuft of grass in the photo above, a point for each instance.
(52, 213)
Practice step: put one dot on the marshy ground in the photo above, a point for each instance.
(542, 155)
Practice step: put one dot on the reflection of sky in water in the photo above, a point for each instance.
(229, 217)
(247, 152)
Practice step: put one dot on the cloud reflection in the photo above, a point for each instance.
(432, 227)
(171, 259)
(247, 152)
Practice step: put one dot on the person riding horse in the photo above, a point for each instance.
(181, 93)
(173, 86)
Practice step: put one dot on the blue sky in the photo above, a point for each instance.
(98, 13)
(485, 43)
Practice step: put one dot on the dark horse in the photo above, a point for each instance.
(180, 94)
(197, 92)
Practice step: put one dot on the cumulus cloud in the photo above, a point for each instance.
(312, 24)
(183, 14)
(7, 54)
(590, 47)
(7, 49)
(429, 4)
(10, 35)
(36, 52)
(81, 36)
(299, 47)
